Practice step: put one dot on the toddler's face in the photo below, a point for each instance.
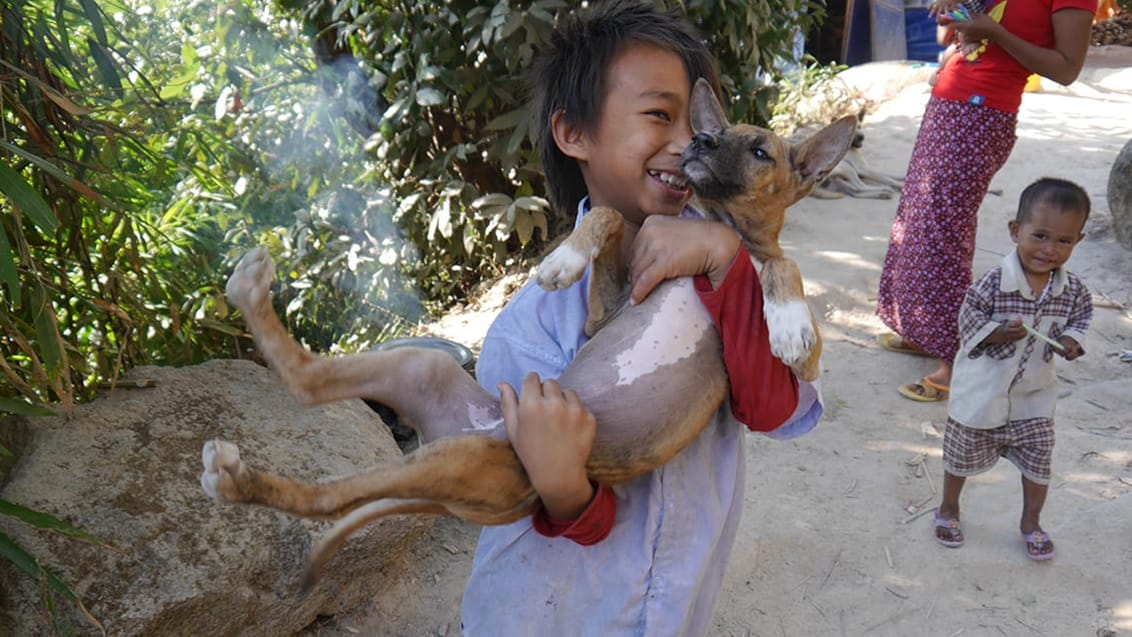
(631, 161)
(1047, 237)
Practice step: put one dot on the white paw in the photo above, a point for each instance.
(791, 330)
(251, 280)
(221, 462)
(562, 268)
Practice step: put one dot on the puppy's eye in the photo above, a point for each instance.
(759, 153)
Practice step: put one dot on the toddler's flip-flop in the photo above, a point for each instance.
(954, 535)
(1039, 546)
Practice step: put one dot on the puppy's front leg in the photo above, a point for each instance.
(794, 335)
(598, 239)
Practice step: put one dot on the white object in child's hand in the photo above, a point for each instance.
(1058, 346)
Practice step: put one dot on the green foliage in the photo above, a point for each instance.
(812, 94)
(448, 127)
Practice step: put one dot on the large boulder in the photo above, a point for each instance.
(1120, 196)
(126, 469)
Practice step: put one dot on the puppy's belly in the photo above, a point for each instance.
(653, 376)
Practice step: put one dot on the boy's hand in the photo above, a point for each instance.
(671, 247)
(1008, 332)
(552, 432)
(1071, 348)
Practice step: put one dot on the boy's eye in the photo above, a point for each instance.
(661, 114)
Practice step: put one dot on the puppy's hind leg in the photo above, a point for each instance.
(428, 388)
(475, 477)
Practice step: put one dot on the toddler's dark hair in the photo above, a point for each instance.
(569, 76)
(1061, 193)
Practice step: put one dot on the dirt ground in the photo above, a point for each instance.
(834, 539)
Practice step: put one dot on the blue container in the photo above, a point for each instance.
(919, 32)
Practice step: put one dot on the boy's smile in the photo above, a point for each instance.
(1046, 239)
(631, 161)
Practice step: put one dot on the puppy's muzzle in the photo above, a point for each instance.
(705, 141)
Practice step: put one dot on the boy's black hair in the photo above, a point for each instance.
(1061, 193)
(570, 76)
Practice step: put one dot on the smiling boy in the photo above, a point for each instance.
(645, 557)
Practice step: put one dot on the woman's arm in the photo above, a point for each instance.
(1072, 29)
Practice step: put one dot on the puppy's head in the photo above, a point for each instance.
(747, 169)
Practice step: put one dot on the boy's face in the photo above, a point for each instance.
(1047, 237)
(631, 162)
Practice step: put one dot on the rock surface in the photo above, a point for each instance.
(1120, 196)
(126, 469)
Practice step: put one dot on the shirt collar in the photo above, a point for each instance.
(584, 207)
(1014, 278)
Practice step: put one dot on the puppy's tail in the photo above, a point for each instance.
(356, 519)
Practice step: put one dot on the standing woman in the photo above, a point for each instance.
(966, 135)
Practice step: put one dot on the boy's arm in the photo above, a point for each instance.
(764, 391)
(509, 350)
(1073, 334)
(977, 329)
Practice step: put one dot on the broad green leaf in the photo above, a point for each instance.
(28, 200)
(53, 95)
(46, 521)
(46, 331)
(21, 408)
(8, 273)
(491, 201)
(429, 97)
(106, 68)
(508, 120)
(95, 18)
(59, 174)
(10, 551)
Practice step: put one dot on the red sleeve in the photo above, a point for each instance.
(591, 527)
(764, 391)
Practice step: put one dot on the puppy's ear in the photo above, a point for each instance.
(706, 113)
(817, 156)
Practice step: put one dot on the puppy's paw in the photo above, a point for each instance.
(791, 330)
(562, 268)
(221, 464)
(250, 282)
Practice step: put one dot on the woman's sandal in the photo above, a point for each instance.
(953, 537)
(1039, 546)
(924, 391)
(894, 343)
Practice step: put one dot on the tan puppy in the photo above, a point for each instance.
(652, 374)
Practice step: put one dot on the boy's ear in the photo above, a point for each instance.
(1013, 226)
(570, 138)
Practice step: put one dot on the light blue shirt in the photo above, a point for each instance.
(660, 569)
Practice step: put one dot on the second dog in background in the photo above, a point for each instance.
(853, 176)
